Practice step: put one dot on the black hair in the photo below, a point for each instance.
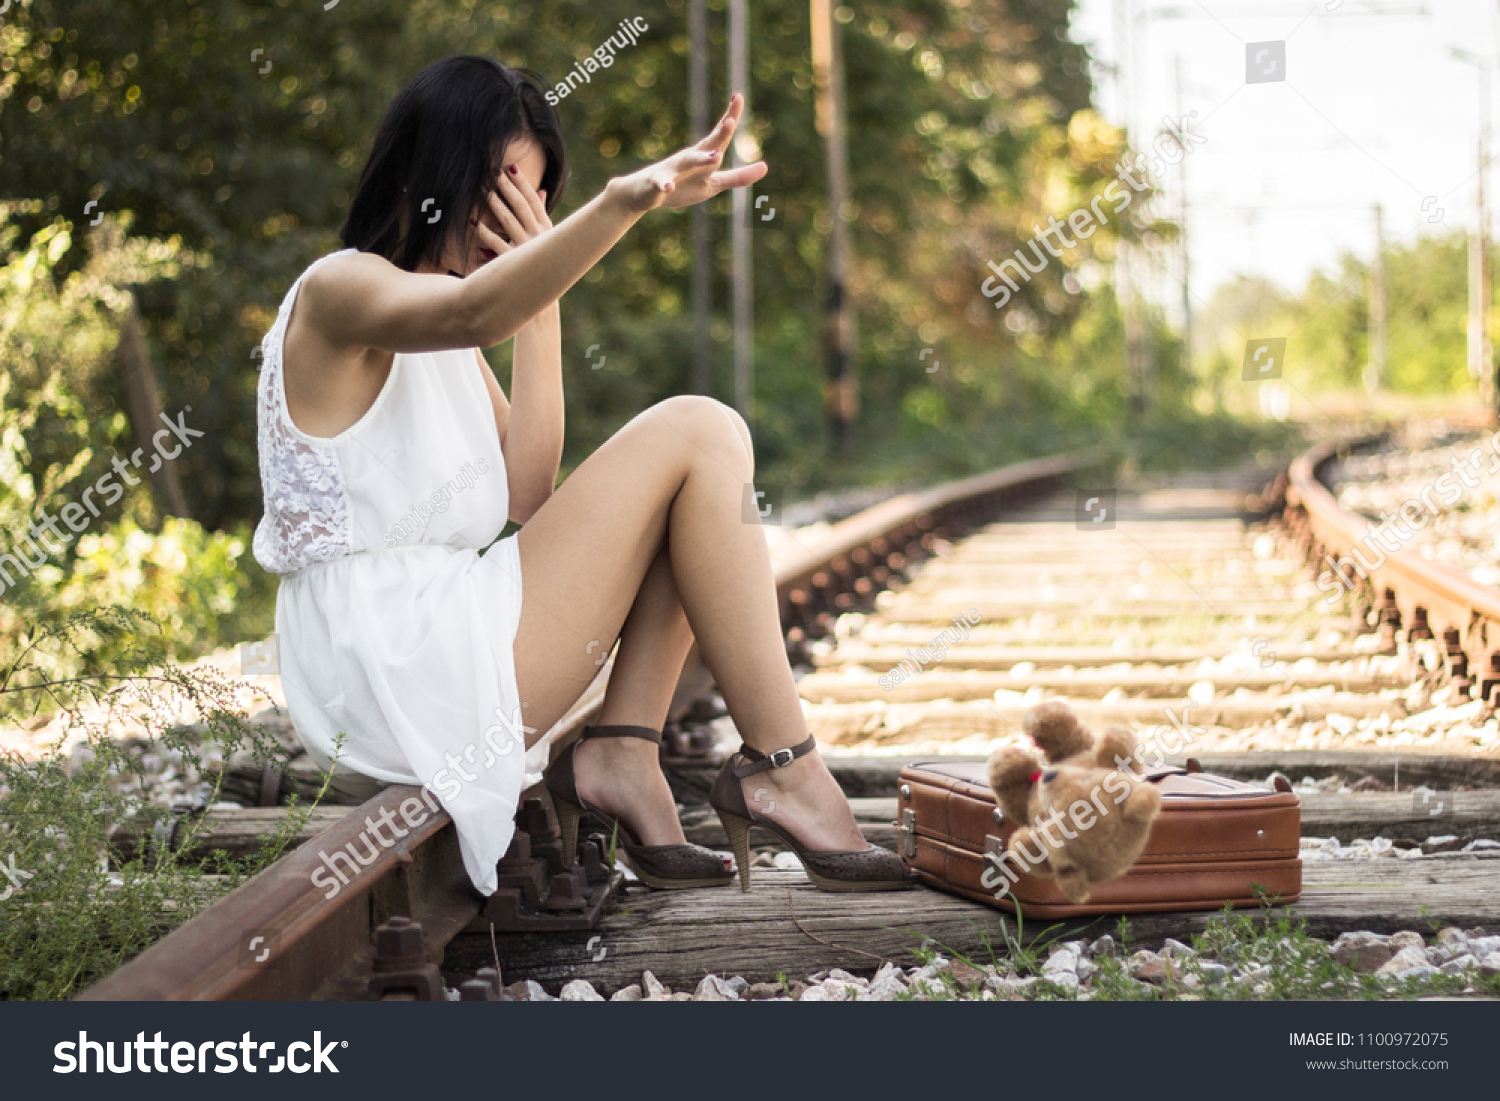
(442, 139)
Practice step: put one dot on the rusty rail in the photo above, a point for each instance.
(329, 945)
(1427, 599)
(862, 553)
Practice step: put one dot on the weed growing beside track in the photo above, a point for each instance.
(70, 910)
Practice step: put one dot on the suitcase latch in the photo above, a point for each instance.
(906, 832)
(994, 850)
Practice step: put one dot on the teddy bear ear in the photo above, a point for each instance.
(1053, 726)
(1051, 717)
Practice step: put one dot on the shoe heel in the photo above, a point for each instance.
(738, 830)
(568, 815)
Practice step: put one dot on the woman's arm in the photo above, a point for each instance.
(533, 440)
(531, 431)
(364, 301)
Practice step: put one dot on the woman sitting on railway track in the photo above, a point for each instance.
(390, 458)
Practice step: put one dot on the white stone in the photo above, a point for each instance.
(1421, 972)
(786, 861)
(739, 984)
(714, 989)
(1404, 960)
(1175, 948)
(839, 991)
(1064, 962)
(1458, 964)
(1213, 972)
(1405, 939)
(652, 987)
(1104, 946)
(1066, 979)
(1483, 844)
(886, 984)
(580, 990)
(1482, 947)
(1490, 965)
(814, 994)
(631, 993)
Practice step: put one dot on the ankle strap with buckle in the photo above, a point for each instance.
(780, 758)
(645, 733)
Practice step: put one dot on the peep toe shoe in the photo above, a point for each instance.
(869, 869)
(664, 867)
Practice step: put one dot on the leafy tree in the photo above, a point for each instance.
(967, 123)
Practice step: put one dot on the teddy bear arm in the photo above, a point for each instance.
(1010, 772)
(1116, 745)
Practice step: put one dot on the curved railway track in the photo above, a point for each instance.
(930, 622)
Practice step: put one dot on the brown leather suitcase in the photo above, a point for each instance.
(1215, 842)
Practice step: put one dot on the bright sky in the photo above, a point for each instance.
(1374, 108)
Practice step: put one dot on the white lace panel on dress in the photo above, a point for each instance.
(307, 514)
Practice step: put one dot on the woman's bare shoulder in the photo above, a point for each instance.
(348, 270)
(338, 285)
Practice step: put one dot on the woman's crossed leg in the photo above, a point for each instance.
(656, 514)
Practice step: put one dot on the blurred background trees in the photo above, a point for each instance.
(217, 143)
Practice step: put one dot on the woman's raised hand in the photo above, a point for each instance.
(519, 212)
(692, 175)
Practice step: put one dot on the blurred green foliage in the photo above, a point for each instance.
(1327, 323)
(55, 337)
(239, 129)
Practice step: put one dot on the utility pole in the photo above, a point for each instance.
(744, 335)
(841, 393)
(1480, 359)
(1375, 371)
(1187, 299)
(703, 368)
(1125, 289)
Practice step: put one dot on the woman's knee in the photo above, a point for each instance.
(707, 425)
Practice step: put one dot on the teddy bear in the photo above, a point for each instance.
(1085, 790)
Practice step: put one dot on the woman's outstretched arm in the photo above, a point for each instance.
(364, 301)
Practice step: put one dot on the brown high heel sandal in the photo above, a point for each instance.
(868, 869)
(665, 867)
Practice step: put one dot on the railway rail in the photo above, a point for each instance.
(1194, 602)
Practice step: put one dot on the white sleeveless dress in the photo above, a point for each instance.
(393, 629)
